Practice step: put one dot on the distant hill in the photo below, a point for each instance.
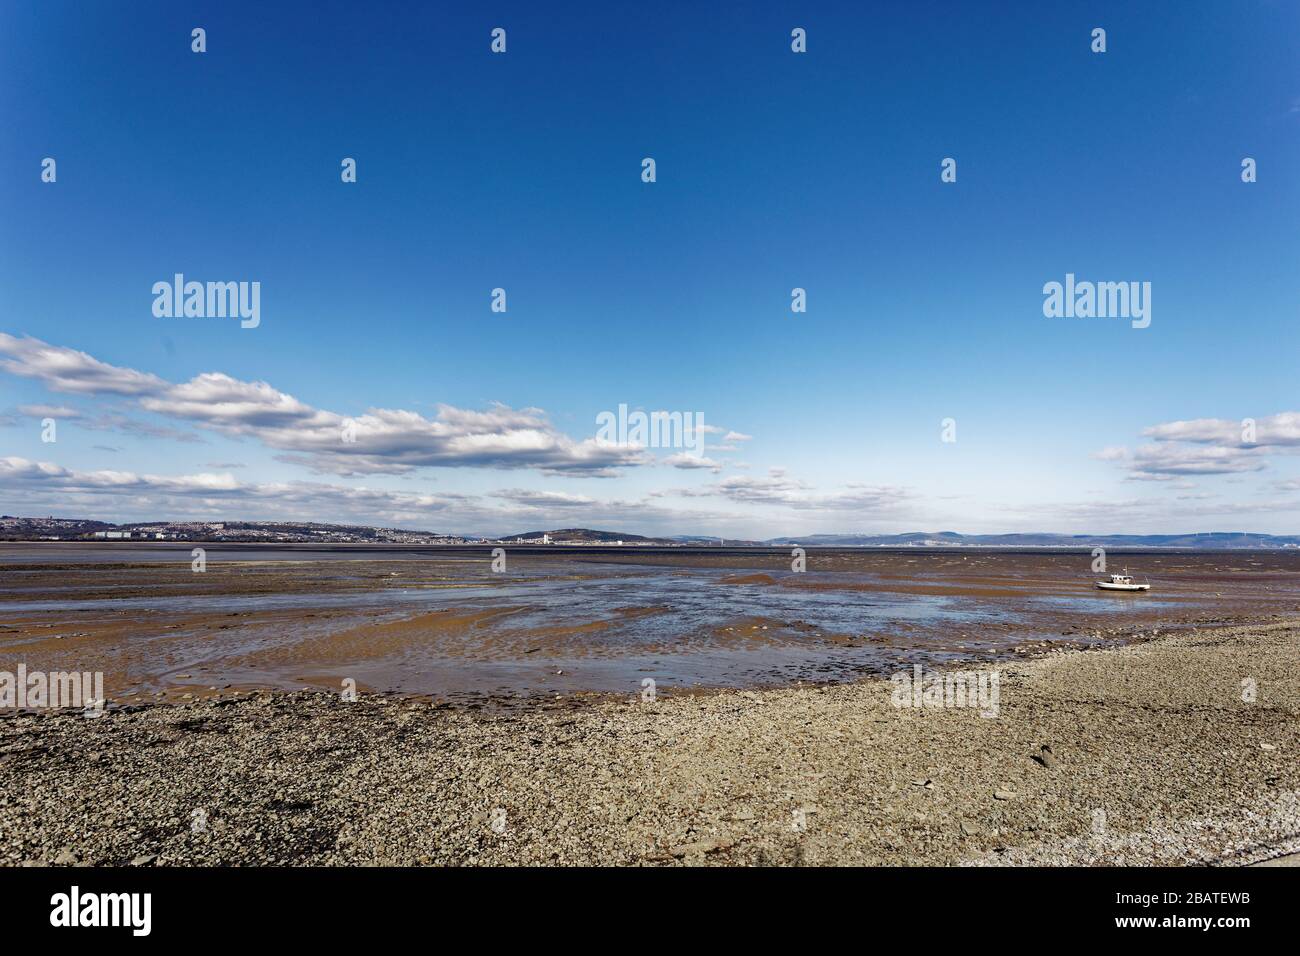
(583, 535)
(704, 540)
(1207, 541)
(72, 529)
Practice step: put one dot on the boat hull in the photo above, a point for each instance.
(1107, 586)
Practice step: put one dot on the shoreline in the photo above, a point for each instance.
(1155, 757)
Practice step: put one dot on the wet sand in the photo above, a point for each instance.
(1150, 753)
(439, 622)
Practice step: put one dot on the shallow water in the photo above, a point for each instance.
(562, 621)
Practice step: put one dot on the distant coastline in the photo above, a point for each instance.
(13, 528)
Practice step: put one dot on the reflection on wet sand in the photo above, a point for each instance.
(440, 622)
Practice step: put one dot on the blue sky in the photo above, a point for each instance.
(775, 170)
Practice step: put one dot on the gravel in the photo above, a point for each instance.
(1143, 754)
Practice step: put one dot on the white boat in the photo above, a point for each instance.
(1122, 582)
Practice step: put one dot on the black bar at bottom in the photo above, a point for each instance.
(330, 905)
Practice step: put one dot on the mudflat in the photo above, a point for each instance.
(1177, 750)
(441, 622)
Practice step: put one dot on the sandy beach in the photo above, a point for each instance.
(1177, 750)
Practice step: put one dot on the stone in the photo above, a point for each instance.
(1046, 758)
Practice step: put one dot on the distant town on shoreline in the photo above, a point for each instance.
(14, 528)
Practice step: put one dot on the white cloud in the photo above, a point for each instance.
(1206, 446)
(67, 370)
(1166, 461)
(550, 499)
(1282, 429)
(688, 462)
(47, 488)
(779, 490)
(48, 411)
(389, 441)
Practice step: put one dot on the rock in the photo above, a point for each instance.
(970, 829)
(1004, 794)
(66, 858)
(1046, 758)
(144, 859)
(702, 846)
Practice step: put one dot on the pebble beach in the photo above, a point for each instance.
(1177, 750)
